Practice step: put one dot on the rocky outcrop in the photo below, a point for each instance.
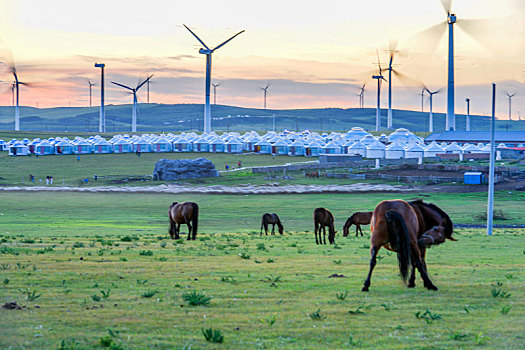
(175, 169)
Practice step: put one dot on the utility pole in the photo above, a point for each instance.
(490, 206)
(102, 121)
(467, 128)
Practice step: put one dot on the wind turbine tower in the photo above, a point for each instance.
(208, 52)
(510, 96)
(422, 94)
(90, 95)
(16, 88)
(265, 89)
(134, 92)
(467, 127)
(430, 116)
(379, 77)
(451, 117)
(215, 92)
(362, 96)
(102, 119)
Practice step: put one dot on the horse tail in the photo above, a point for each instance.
(195, 217)
(399, 241)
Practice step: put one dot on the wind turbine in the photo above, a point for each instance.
(90, 95)
(510, 96)
(379, 78)
(430, 116)
(467, 126)
(16, 88)
(215, 92)
(208, 52)
(134, 92)
(362, 96)
(265, 89)
(390, 69)
(422, 94)
(147, 87)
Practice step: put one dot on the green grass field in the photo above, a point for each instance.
(105, 275)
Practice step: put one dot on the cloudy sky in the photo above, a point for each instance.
(312, 55)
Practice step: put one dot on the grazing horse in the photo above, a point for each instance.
(357, 219)
(322, 218)
(272, 219)
(408, 229)
(183, 213)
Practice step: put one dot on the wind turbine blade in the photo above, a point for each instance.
(495, 34)
(447, 5)
(224, 43)
(405, 79)
(144, 82)
(378, 61)
(428, 39)
(121, 85)
(195, 35)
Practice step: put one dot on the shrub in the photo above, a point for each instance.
(316, 315)
(78, 245)
(195, 298)
(212, 335)
(149, 293)
(146, 252)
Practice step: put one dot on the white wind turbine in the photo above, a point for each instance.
(430, 115)
(265, 91)
(134, 92)
(362, 96)
(208, 52)
(510, 96)
(215, 86)
(90, 94)
(379, 77)
(16, 89)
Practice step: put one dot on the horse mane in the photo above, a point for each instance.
(449, 227)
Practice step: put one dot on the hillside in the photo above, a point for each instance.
(185, 117)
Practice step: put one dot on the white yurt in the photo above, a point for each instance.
(44, 147)
(395, 151)
(313, 149)
(233, 145)
(345, 146)
(433, 149)
(217, 145)
(249, 143)
(355, 134)
(471, 149)
(31, 144)
(403, 135)
(3, 146)
(121, 145)
(263, 147)
(368, 140)
(375, 150)
(101, 146)
(64, 147)
(141, 145)
(161, 144)
(18, 149)
(280, 147)
(357, 148)
(453, 148)
(183, 145)
(201, 145)
(296, 148)
(331, 148)
(82, 147)
(414, 150)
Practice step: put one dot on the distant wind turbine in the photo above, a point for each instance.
(379, 77)
(147, 89)
(362, 96)
(16, 88)
(390, 69)
(510, 96)
(265, 89)
(90, 95)
(422, 94)
(215, 86)
(134, 92)
(467, 126)
(208, 52)
(430, 116)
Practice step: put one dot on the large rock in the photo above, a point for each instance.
(174, 169)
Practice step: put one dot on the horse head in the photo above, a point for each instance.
(435, 217)
(347, 225)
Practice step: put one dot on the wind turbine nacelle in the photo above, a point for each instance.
(99, 65)
(451, 18)
(205, 51)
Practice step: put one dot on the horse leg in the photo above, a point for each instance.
(373, 254)
(418, 261)
(189, 229)
(177, 231)
(172, 229)
(273, 229)
(324, 235)
(315, 232)
(361, 230)
(412, 280)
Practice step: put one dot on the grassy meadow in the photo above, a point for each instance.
(104, 274)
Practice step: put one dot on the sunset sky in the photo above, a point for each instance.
(314, 56)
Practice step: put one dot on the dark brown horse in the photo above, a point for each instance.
(323, 218)
(183, 213)
(408, 229)
(272, 219)
(357, 219)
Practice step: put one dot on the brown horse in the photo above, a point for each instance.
(183, 213)
(357, 219)
(408, 229)
(323, 218)
(272, 219)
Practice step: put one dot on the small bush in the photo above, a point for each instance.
(146, 252)
(212, 335)
(149, 293)
(195, 298)
(78, 245)
(31, 295)
(316, 315)
(244, 255)
(341, 296)
(428, 316)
